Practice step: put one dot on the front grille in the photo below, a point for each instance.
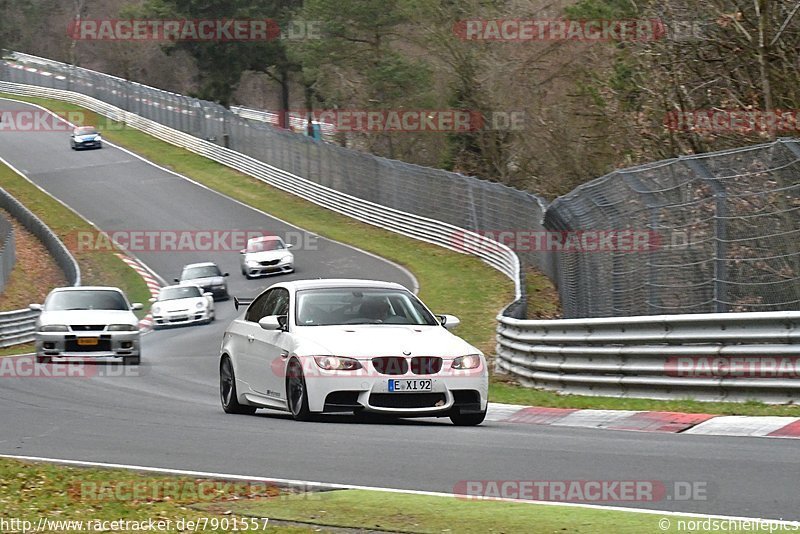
(103, 345)
(270, 262)
(390, 365)
(407, 400)
(87, 327)
(426, 365)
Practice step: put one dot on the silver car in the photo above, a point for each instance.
(87, 322)
(182, 305)
(266, 255)
(85, 137)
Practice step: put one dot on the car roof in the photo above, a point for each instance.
(264, 238)
(89, 288)
(323, 283)
(202, 264)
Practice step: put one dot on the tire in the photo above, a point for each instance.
(296, 392)
(43, 359)
(227, 390)
(469, 419)
(132, 360)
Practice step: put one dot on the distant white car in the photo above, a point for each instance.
(266, 255)
(182, 305)
(315, 346)
(87, 322)
(207, 276)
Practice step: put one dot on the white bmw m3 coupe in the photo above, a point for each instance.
(325, 346)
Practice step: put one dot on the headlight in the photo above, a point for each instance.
(335, 363)
(471, 361)
(53, 328)
(156, 308)
(286, 259)
(251, 263)
(122, 328)
(200, 305)
(97, 138)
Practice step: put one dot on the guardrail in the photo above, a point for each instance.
(18, 326)
(8, 253)
(712, 357)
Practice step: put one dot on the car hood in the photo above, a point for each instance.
(365, 341)
(266, 255)
(88, 317)
(179, 304)
(205, 282)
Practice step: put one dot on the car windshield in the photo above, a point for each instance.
(183, 292)
(86, 300)
(205, 271)
(86, 130)
(265, 245)
(349, 306)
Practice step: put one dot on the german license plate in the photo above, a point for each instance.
(87, 341)
(410, 386)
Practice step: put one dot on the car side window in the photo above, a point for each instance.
(256, 309)
(281, 302)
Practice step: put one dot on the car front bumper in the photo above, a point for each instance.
(338, 392)
(265, 270)
(179, 319)
(94, 345)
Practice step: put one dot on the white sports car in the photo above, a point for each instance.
(323, 346)
(87, 322)
(181, 305)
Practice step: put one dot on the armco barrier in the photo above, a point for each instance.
(8, 255)
(712, 357)
(18, 326)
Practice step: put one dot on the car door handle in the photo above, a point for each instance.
(251, 338)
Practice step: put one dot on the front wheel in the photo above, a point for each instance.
(227, 390)
(468, 419)
(132, 360)
(296, 392)
(42, 359)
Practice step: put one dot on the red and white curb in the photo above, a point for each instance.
(145, 324)
(668, 422)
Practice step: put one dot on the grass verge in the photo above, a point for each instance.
(449, 282)
(97, 267)
(31, 491)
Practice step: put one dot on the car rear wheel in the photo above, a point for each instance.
(43, 359)
(227, 390)
(132, 360)
(296, 392)
(469, 419)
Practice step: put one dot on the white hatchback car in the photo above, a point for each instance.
(322, 346)
(87, 322)
(182, 305)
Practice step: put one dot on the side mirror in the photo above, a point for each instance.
(226, 274)
(289, 245)
(207, 294)
(136, 306)
(151, 300)
(35, 307)
(177, 279)
(273, 322)
(243, 251)
(449, 321)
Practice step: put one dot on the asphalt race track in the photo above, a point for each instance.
(170, 416)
